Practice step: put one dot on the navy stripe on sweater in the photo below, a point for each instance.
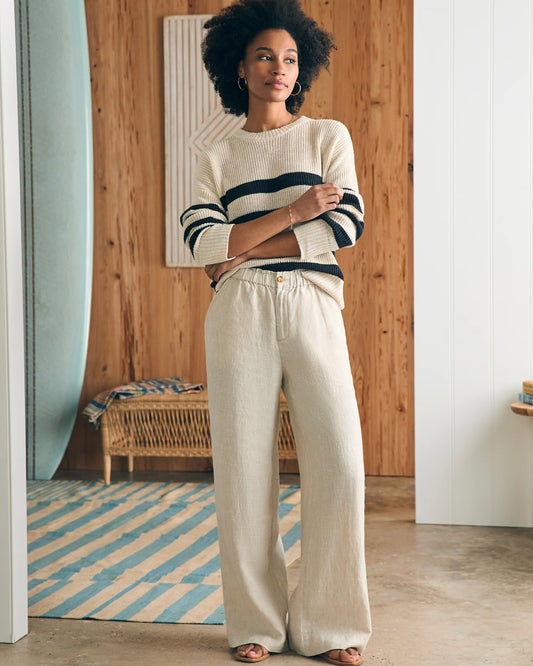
(358, 224)
(270, 185)
(251, 216)
(341, 237)
(208, 206)
(350, 198)
(202, 222)
(330, 269)
(194, 238)
(296, 266)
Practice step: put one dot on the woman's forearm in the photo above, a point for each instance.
(281, 245)
(316, 200)
(247, 236)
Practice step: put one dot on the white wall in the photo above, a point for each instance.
(473, 119)
(13, 568)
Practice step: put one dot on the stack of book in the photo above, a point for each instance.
(527, 393)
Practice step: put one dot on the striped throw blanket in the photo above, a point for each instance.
(94, 410)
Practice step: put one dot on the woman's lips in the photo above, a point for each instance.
(278, 85)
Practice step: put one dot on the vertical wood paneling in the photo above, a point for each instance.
(147, 320)
(378, 293)
(474, 220)
(321, 99)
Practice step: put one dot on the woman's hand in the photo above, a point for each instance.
(317, 200)
(215, 271)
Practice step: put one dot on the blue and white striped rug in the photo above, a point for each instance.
(143, 552)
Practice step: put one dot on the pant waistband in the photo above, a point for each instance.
(274, 279)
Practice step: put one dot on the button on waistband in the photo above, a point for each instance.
(280, 278)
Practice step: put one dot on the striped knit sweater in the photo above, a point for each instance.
(248, 175)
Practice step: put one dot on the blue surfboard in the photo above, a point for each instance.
(57, 184)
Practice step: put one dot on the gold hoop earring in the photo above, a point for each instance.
(293, 94)
(239, 82)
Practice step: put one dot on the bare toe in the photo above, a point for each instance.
(348, 656)
(251, 651)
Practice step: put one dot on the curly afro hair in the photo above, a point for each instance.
(230, 32)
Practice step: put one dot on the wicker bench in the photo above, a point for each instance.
(168, 425)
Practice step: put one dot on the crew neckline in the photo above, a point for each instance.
(277, 131)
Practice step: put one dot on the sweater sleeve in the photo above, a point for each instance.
(342, 226)
(206, 228)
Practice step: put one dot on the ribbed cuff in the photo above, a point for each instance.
(314, 238)
(212, 245)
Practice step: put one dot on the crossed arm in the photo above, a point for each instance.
(266, 236)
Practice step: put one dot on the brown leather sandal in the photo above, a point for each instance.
(331, 660)
(252, 660)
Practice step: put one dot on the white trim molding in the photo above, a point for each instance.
(13, 540)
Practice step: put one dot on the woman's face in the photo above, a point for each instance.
(270, 66)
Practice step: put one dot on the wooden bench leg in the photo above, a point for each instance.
(130, 464)
(107, 469)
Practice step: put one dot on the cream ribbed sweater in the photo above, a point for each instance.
(250, 174)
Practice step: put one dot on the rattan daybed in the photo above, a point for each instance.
(168, 425)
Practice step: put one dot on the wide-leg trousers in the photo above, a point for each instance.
(266, 331)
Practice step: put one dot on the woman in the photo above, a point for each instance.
(273, 203)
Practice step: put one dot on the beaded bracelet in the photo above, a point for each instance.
(290, 216)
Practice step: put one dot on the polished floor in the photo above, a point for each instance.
(439, 595)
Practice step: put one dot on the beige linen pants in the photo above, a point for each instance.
(266, 331)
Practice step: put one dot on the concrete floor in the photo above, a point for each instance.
(439, 595)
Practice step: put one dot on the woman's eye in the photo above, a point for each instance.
(265, 57)
(291, 61)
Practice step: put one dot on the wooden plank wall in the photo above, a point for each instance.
(147, 320)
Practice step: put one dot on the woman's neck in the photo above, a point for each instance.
(267, 118)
